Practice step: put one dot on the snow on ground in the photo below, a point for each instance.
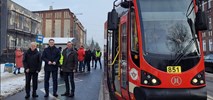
(11, 84)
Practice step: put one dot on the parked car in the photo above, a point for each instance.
(209, 62)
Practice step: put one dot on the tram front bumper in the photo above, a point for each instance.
(142, 93)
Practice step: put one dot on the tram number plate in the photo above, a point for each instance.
(174, 69)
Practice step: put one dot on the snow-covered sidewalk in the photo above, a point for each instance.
(11, 83)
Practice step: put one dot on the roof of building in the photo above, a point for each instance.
(58, 40)
(53, 10)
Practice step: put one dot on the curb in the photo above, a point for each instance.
(104, 93)
(23, 87)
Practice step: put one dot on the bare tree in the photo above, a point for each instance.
(177, 37)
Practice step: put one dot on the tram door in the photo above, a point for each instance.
(121, 66)
(123, 57)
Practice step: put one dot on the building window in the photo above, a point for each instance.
(204, 45)
(210, 23)
(203, 5)
(58, 15)
(209, 4)
(210, 33)
(210, 45)
(204, 34)
(41, 15)
(49, 15)
(66, 15)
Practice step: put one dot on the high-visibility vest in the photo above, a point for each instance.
(61, 59)
(97, 54)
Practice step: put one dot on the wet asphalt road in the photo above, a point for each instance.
(87, 88)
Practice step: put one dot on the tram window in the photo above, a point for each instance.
(134, 41)
(124, 55)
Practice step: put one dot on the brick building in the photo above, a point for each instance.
(61, 23)
(208, 35)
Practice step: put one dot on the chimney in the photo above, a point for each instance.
(51, 8)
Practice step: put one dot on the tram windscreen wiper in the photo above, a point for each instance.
(190, 22)
(184, 51)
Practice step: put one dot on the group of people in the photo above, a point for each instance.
(86, 56)
(69, 60)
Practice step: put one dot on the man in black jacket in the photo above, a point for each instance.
(32, 64)
(51, 56)
(87, 59)
(69, 64)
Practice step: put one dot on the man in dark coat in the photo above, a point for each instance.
(32, 64)
(51, 56)
(87, 59)
(93, 57)
(69, 64)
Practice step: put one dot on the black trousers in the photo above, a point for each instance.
(99, 60)
(87, 63)
(93, 60)
(54, 79)
(69, 76)
(31, 76)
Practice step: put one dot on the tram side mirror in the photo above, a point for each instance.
(126, 4)
(112, 21)
(201, 21)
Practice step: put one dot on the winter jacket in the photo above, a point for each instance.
(93, 55)
(19, 58)
(88, 55)
(70, 60)
(32, 60)
(81, 54)
(51, 54)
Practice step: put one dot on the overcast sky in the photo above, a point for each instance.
(94, 13)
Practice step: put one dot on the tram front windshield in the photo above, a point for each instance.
(168, 33)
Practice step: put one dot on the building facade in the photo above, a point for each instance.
(61, 23)
(19, 27)
(0, 25)
(208, 34)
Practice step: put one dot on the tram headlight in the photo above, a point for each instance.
(198, 79)
(154, 81)
(145, 82)
(201, 81)
(194, 80)
(149, 79)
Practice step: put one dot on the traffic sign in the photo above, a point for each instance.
(39, 38)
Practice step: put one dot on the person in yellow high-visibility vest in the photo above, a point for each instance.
(61, 61)
(98, 58)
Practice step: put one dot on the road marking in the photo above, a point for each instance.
(75, 79)
(210, 97)
(50, 95)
